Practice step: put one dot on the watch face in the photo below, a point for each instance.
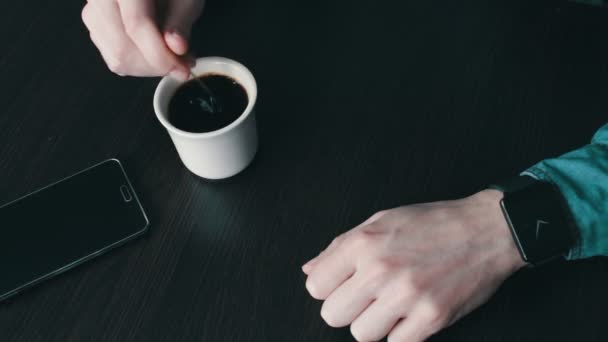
(540, 222)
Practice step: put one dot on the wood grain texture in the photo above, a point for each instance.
(363, 105)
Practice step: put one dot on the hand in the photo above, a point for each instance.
(141, 37)
(411, 271)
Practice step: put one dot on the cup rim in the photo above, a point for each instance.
(252, 98)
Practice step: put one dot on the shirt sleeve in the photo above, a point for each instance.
(591, 2)
(582, 177)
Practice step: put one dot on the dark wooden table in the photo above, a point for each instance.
(363, 105)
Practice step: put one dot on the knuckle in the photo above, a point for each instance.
(434, 314)
(402, 301)
(406, 292)
(378, 215)
(340, 238)
(337, 240)
(404, 297)
(378, 272)
(121, 53)
(412, 283)
(383, 267)
(114, 65)
(361, 240)
(406, 283)
(330, 317)
(313, 288)
(382, 212)
(359, 332)
(117, 59)
(374, 281)
(85, 14)
(133, 23)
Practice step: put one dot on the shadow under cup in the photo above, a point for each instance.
(218, 154)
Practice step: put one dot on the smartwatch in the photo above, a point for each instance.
(539, 219)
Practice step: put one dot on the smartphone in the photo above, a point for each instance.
(65, 224)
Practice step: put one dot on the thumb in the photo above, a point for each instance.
(181, 15)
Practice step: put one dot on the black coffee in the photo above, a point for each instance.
(193, 109)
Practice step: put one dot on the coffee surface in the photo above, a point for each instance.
(198, 110)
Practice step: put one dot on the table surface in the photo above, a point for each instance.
(363, 105)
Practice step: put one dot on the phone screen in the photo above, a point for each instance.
(65, 224)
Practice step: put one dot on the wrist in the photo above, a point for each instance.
(487, 204)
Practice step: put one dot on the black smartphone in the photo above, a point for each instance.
(65, 224)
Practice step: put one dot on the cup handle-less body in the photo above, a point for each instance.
(219, 154)
(222, 157)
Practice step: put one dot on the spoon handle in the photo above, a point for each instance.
(201, 83)
(213, 101)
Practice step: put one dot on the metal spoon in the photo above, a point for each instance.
(211, 103)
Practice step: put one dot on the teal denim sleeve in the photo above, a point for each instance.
(582, 177)
(591, 2)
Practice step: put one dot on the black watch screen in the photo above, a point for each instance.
(540, 222)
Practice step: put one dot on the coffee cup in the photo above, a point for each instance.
(224, 152)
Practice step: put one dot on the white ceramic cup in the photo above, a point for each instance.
(217, 154)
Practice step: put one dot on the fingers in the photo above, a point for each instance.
(103, 20)
(307, 268)
(176, 42)
(347, 302)
(128, 39)
(139, 23)
(377, 320)
(330, 272)
(408, 330)
(181, 15)
(424, 321)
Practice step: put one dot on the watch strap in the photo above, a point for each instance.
(514, 184)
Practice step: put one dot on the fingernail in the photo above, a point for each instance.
(174, 33)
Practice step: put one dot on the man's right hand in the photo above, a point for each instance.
(143, 37)
(411, 271)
